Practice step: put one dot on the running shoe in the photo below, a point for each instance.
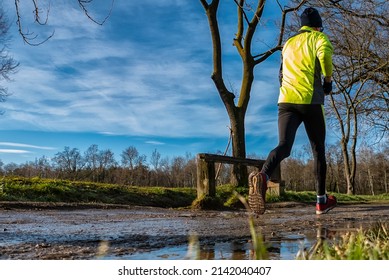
(324, 208)
(257, 192)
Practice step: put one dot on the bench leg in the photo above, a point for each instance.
(206, 185)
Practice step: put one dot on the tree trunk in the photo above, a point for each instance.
(239, 175)
(347, 169)
(371, 184)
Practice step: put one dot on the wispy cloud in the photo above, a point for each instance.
(158, 143)
(12, 151)
(21, 145)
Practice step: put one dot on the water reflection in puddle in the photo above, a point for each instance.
(285, 248)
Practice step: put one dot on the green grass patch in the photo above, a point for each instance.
(370, 244)
(49, 190)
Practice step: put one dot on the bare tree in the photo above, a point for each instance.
(155, 162)
(155, 159)
(335, 174)
(106, 161)
(91, 159)
(7, 64)
(69, 161)
(130, 157)
(134, 162)
(249, 18)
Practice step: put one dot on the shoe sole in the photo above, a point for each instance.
(318, 212)
(256, 200)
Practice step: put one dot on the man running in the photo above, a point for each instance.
(306, 56)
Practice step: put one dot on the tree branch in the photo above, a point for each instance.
(380, 19)
(217, 75)
(263, 56)
(83, 4)
(30, 37)
(239, 34)
(27, 36)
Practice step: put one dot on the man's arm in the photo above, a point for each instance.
(325, 52)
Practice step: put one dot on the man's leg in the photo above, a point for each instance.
(314, 122)
(288, 122)
(315, 127)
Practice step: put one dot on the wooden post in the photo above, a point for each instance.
(205, 177)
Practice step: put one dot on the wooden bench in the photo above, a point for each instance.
(206, 183)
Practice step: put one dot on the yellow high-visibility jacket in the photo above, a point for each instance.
(305, 57)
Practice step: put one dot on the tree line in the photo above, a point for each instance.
(101, 166)
(135, 169)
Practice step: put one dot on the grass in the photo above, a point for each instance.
(370, 244)
(49, 190)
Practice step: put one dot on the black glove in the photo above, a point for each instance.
(327, 87)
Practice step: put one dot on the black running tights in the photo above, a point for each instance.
(290, 116)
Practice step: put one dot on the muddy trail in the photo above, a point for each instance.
(63, 231)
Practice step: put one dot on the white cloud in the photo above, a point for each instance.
(158, 143)
(21, 145)
(12, 151)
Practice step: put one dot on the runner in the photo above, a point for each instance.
(306, 56)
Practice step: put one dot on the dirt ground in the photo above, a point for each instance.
(64, 231)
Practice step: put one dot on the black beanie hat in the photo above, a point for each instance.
(310, 17)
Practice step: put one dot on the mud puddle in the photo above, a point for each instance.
(287, 249)
(153, 233)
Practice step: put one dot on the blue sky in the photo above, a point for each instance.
(142, 79)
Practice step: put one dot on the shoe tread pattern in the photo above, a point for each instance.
(255, 200)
